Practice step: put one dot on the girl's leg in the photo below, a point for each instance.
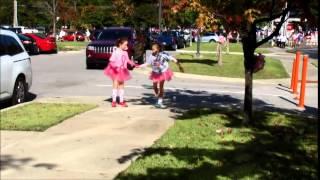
(161, 92)
(114, 91)
(121, 93)
(155, 88)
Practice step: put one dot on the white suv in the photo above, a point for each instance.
(15, 64)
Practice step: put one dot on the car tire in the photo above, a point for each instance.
(175, 47)
(19, 92)
(36, 50)
(89, 65)
(55, 51)
(212, 41)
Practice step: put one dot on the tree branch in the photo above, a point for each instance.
(49, 8)
(276, 31)
(268, 19)
(272, 7)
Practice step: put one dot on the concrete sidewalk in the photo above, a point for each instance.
(88, 146)
(287, 61)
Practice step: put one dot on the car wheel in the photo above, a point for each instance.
(55, 51)
(212, 41)
(175, 47)
(89, 65)
(36, 50)
(19, 91)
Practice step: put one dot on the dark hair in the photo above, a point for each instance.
(121, 41)
(158, 46)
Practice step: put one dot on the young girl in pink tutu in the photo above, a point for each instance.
(159, 61)
(118, 71)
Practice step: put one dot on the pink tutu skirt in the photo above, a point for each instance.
(120, 74)
(165, 76)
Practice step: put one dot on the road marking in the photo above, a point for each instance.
(192, 89)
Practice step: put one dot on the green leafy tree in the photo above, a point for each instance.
(244, 16)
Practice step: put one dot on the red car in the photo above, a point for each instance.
(45, 44)
(70, 36)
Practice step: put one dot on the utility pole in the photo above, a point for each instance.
(54, 17)
(15, 13)
(160, 15)
(198, 43)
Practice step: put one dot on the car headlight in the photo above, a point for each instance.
(90, 48)
(164, 43)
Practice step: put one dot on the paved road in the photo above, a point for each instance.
(65, 74)
(56, 152)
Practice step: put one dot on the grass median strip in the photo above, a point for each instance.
(232, 66)
(40, 116)
(213, 144)
(233, 47)
(71, 46)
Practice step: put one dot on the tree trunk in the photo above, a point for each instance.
(249, 62)
(227, 45)
(219, 54)
(54, 18)
(248, 96)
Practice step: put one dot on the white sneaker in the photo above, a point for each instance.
(160, 105)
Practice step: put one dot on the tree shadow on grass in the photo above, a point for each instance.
(275, 150)
(209, 62)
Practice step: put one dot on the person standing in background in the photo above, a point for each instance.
(88, 34)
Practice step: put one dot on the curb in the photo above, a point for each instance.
(70, 52)
(217, 78)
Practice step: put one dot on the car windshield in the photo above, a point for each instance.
(40, 35)
(23, 38)
(114, 34)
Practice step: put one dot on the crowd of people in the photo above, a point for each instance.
(298, 38)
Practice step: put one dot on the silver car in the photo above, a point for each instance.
(15, 64)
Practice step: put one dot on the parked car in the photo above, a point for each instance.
(234, 37)
(16, 72)
(45, 44)
(29, 44)
(209, 37)
(99, 51)
(94, 34)
(71, 36)
(181, 42)
(151, 37)
(15, 30)
(168, 40)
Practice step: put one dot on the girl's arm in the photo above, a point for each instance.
(143, 65)
(177, 62)
(148, 62)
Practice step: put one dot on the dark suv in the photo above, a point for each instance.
(99, 51)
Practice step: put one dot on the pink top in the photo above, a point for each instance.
(119, 58)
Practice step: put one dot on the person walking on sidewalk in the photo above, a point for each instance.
(159, 61)
(118, 71)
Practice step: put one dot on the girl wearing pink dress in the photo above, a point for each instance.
(118, 71)
(159, 61)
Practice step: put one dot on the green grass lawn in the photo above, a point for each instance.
(279, 146)
(232, 66)
(233, 47)
(71, 46)
(39, 116)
